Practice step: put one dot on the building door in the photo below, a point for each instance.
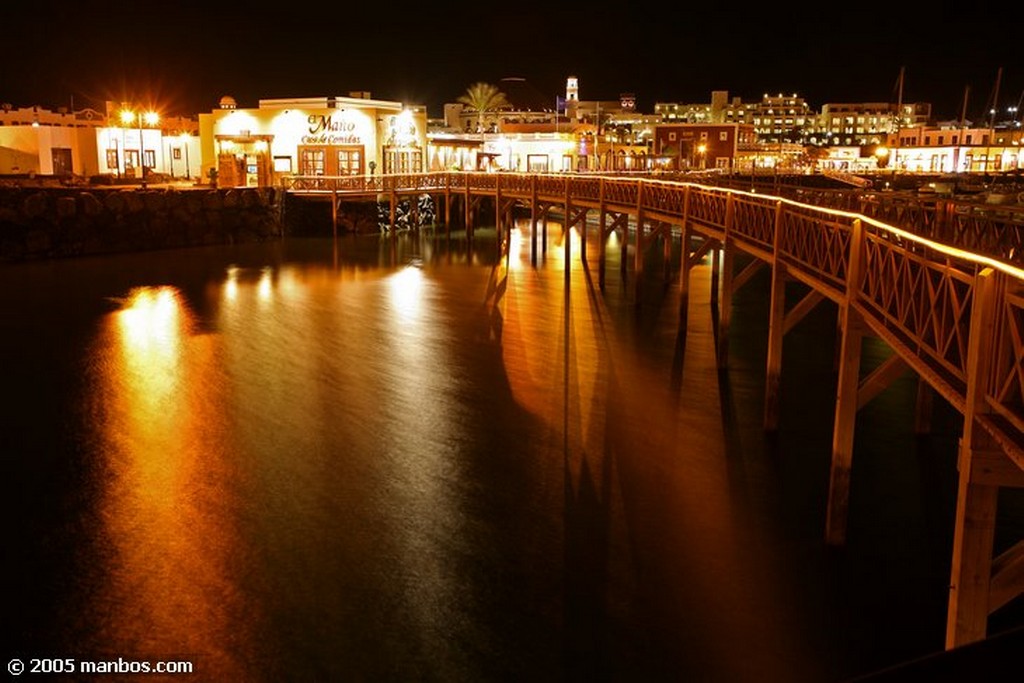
(62, 161)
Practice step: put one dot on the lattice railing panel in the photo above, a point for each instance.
(926, 303)
(816, 243)
(551, 185)
(708, 207)
(621, 192)
(586, 188)
(664, 197)
(754, 220)
(1007, 371)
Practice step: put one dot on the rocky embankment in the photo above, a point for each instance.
(42, 222)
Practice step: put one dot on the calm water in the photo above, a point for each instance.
(368, 460)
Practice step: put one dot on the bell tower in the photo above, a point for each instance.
(572, 97)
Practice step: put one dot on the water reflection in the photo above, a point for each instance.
(397, 459)
(168, 543)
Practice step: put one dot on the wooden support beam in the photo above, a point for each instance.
(701, 251)
(974, 523)
(994, 468)
(843, 430)
(776, 327)
(744, 275)
(685, 265)
(801, 309)
(638, 257)
(533, 220)
(725, 310)
(880, 378)
(846, 397)
(1007, 577)
(334, 212)
(393, 214)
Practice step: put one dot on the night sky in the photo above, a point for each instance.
(184, 56)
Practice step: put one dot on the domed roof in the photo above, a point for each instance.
(228, 102)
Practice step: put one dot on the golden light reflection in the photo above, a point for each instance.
(167, 531)
(231, 284)
(406, 289)
(265, 288)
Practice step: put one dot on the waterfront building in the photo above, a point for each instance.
(865, 123)
(531, 133)
(354, 135)
(702, 146)
(138, 142)
(934, 149)
(37, 141)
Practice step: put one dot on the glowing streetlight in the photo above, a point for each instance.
(149, 118)
(881, 155)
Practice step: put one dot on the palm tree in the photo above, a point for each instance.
(483, 97)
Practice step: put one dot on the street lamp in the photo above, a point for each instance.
(149, 118)
(185, 137)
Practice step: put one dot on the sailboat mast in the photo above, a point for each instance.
(995, 99)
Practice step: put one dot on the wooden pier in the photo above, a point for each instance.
(944, 289)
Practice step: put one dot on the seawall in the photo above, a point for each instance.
(45, 222)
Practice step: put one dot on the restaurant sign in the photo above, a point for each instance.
(327, 130)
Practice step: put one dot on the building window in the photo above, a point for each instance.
(723, 136)
(112, 158)
(311, 161)
(350, 161)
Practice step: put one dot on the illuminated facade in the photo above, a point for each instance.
(313, 136)
(956, 150)
(37, 141)
(680, 146)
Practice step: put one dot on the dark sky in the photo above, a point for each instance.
(184, 56)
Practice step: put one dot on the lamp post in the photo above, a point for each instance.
(150, 118)
(185, 140)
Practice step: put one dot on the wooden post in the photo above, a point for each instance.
(846, 397)
(334, 211)
(638, 257)
(394, 211)
(533, 220)
(685, 263)
(448, 206)
(602, 247)
(776, 329)
(497, 210)
(726, 308)
(469, 210)
(974, 524)
(567, 206)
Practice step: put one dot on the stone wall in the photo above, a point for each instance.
(42, 222)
